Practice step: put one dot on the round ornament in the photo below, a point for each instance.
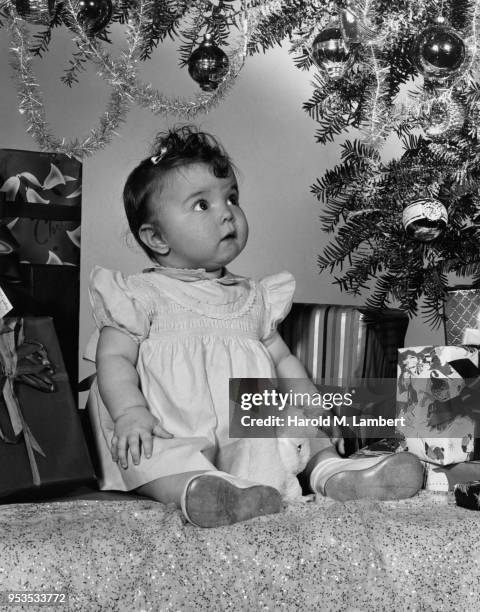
(439, 52)
(424, 219)
(330, 52)
(208, 64)
(36, 11)
(93, 15)
(442, 118)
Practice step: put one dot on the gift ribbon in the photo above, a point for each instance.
(9, 359)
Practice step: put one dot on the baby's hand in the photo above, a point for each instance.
(136, 426)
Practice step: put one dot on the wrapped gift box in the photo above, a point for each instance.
(51, 422)
(438, 399)
(40, 214)
(342, 343)
(42, 290)
(462, 316)
(41, 202)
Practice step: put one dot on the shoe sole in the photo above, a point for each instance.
(398, 476)
(211, 501)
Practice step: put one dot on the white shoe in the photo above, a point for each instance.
(394, 476)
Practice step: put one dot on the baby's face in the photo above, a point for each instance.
(200, 218)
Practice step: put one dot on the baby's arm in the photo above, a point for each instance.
(290, 367)
(119, 388)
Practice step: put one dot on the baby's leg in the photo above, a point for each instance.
(168, 489)
(214, 498)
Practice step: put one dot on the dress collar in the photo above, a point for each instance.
(193, 275)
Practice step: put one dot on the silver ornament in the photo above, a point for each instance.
(442, 118)
(330, 52)
(39, 12)
(425, 219)
(439, 52)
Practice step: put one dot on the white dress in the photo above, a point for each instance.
(194, 334)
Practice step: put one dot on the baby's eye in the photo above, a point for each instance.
(234, 199)
(201, 205)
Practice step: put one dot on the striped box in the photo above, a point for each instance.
(343, 343)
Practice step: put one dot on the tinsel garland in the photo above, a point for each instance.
(31, 105)
(373, 109)
(124, 73)
(376, 115)
(121, 75)
(385, 115)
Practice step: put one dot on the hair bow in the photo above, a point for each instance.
(155, 159)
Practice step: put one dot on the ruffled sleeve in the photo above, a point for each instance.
(278, 291)
(117, 301)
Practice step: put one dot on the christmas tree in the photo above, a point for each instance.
(385, 67)
(409, 222)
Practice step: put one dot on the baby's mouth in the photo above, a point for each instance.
(230, 236)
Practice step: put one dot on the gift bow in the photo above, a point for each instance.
(21, 364)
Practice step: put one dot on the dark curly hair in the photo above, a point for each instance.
(178, 146)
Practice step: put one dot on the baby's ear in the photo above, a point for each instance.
(153, 239)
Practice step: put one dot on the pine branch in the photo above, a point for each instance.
(331, 125)
(357, 152)
(380, 298)
(76, 65)
(42, 39)
(275, 28)
(335, 181)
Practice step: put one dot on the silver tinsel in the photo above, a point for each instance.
(31, 106)
(121, 75)
(123, 72)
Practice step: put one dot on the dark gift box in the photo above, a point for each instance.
(467, 495)
(53, 291)
(42, 446)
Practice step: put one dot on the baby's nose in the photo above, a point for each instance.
(226, 213)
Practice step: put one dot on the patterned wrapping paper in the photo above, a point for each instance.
(342, 343)
(35, 182)
(462, 311)
(40, 212)
(415, 554)
(438, 403)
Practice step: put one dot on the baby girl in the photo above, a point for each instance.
(172, 336)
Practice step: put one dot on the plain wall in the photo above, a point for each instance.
(263, 127)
